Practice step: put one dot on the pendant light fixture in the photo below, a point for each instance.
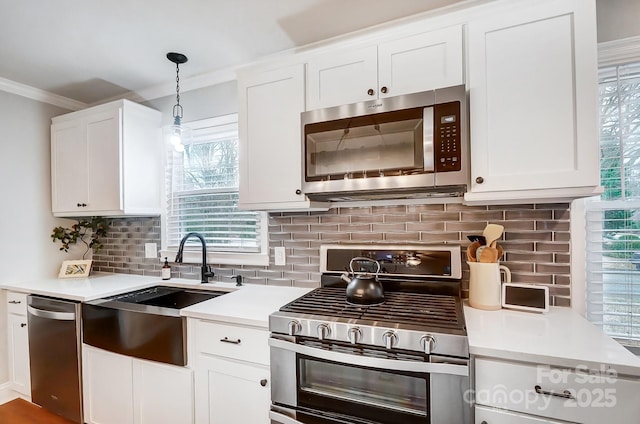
(177, 133)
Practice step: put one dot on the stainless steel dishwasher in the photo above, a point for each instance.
(54, 355)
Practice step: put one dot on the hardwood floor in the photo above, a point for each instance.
(20, 411)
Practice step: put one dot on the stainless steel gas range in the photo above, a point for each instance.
(403, 358)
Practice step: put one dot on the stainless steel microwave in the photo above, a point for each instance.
(409, 146)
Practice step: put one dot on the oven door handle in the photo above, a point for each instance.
(365, 361)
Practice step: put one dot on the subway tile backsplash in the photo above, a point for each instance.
(536, 241)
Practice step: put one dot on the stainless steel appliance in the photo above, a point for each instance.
(414, 145)
(403, 361)
(143, 323)
(54, 355)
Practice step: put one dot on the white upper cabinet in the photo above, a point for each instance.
(106, 160)
(270, 103)
(533, 101)
(408, 65)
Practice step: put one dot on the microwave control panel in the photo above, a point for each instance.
(447, 137)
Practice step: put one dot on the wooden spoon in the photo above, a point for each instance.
(489, 254)
(500, 252)
(492, 232)
(471, 251)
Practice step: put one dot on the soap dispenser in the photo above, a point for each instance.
(166, 270)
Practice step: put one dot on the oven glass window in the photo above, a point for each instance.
(345, 389)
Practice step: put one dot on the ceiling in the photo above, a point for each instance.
(91, 51)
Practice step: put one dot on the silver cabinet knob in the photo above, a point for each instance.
(389, 338)
(323, 331)
(428, 343)
(294, 327)
(354, 334)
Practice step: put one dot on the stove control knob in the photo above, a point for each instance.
(323, 331)
(428, 343)
(294, 327)
(389, 338)
(354, 335)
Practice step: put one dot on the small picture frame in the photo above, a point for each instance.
(75, 269)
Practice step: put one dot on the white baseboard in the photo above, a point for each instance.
(7, 394)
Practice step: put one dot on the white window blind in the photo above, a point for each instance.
(613, 222)
(202, 191)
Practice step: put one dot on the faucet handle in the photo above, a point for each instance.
(238, 279)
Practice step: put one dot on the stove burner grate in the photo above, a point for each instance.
(417, 309)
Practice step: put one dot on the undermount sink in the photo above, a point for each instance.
(143, 323)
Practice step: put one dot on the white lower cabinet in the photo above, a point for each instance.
(486, 415)
(18, 343)
(123, 390)
(231, 373)
(534, 393)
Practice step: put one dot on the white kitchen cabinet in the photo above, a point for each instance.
(533, 101)
(484, 415)
(120, 390)
(232, 373)
(538, 391)
(408, 65)
(270, 103)
(106, 160)
(18, 343)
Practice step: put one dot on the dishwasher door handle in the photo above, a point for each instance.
(58, 316)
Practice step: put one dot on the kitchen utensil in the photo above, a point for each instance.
(489, 254)
(363, 288)
(472, 251)
(485, 285)
(492, 232)
(479, 239)
(500, 251)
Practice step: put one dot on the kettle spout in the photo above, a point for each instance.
(345, 277)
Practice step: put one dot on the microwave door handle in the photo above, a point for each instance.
(379, 363)
(427, 139)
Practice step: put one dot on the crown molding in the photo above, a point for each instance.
(620, 51)
(37, 94)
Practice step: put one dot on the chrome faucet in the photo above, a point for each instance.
(205, 272)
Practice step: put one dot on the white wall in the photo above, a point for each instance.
(26, 249)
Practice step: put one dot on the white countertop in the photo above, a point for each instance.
(101, 285)
(250, 305)
(560, 337)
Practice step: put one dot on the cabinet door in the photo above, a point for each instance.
(107, 387)
(231, 392)
(162, 393)
(19, 354)
(69, 177)
(533, 104)
(499, 416)
(421, 62)
(270, 142)
(104, 154)
(343, 77)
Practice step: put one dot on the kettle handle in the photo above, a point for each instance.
(362, 258)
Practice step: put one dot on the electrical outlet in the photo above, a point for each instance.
(150, 250)
(280, 256)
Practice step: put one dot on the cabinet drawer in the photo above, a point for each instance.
(496, 416)
(17, 303)
(575, 395)
(240, 343)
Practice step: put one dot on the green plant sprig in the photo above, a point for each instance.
(97, 226)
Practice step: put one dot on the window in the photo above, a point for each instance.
(202, 197)
(613, 221)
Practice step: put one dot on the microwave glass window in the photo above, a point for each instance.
(405, 394)
(389, 143)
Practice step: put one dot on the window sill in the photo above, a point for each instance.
(222, 258)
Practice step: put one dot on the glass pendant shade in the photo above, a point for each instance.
(177, 135)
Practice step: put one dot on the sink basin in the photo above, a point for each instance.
(143, 323)
(166, 297)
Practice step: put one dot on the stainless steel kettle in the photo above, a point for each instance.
(363, 288)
